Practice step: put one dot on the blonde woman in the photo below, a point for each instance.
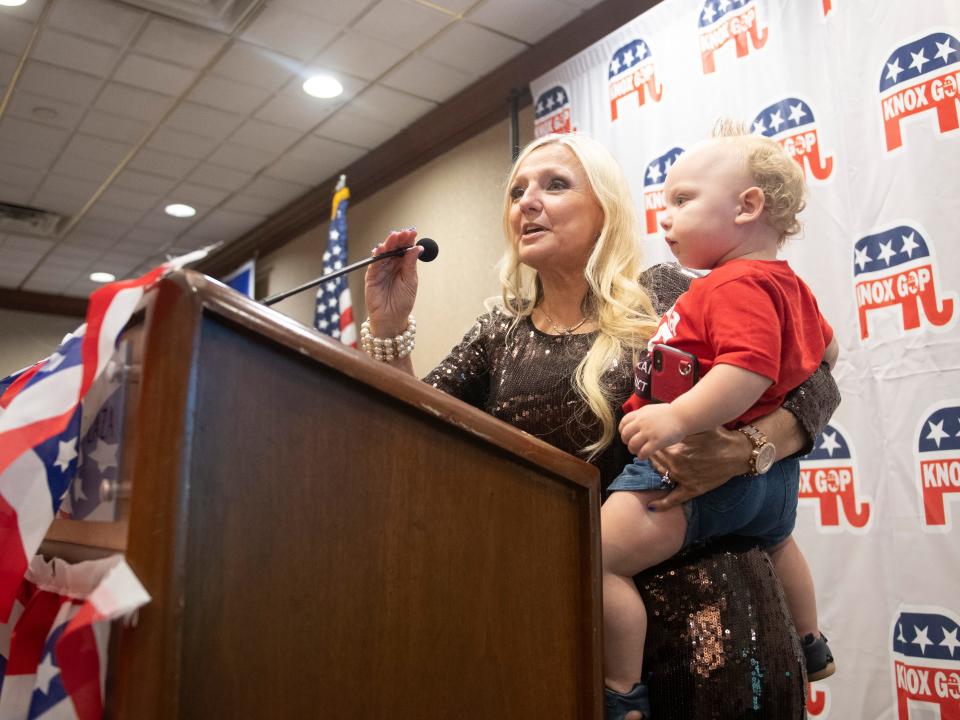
(555, 356)
(569, 283)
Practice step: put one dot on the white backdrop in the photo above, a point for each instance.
(864, 93)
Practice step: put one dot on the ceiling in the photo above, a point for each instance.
(109, 111)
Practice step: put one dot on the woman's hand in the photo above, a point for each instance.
(390, 286)
(699, 463)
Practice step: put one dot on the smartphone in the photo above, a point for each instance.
(674, 372)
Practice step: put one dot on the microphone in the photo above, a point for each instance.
(430, 252)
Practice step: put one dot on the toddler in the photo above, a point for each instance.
(757, 333)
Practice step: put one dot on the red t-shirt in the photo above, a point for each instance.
(753, 314)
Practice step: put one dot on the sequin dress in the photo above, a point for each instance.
(525, 377)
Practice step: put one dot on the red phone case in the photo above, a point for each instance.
(673, 373)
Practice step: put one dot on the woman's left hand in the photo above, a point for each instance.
(699, 463)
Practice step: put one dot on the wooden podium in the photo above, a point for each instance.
(326, 537)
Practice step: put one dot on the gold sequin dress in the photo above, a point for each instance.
(524, 377)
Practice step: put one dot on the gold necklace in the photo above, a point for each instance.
(560, 329)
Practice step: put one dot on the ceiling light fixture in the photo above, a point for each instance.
(179, 210)
(12, 3)
(322, 86)
(100, 277)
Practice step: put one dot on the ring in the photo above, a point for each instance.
(667, 482)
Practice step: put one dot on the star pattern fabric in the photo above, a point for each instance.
(40, 414)
(657, 169)
(929, 55)
(627, 57)
(550, 100)
(941, 431)
(784, 117)
(830, 445)
(927, 635)
(886, 249)
(713, 11)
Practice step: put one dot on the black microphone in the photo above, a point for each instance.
(430, 251)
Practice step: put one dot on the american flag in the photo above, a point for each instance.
(53, 648)
(101, 430)
(40, 415)
(334, 313)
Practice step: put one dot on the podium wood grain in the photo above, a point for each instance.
(325, 537)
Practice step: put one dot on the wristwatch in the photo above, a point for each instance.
(764, 452)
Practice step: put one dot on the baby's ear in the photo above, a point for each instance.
(751, 205)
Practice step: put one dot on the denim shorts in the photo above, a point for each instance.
(762, 507)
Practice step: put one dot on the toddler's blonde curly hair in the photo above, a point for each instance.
(774, 172)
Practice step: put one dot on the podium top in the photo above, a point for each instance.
(208, 295)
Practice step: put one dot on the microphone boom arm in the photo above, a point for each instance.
(335, 274)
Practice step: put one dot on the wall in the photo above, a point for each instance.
(455, 199)
(26, 337)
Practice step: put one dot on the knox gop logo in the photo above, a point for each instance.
(790, 122)
(925, 651)
(828, 480)
(724, 20)
(938, 464)
(896, 268)
(653, 179)
(552, 112)
(921, 75)
(818, 701)
(632, 72)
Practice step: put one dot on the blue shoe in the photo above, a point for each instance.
(617, 705)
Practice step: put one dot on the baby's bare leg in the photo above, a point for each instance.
(794, 574)
(633, 539)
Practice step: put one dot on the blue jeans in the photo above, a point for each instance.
(762, 507)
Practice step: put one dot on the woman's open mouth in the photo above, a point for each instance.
(531, 231)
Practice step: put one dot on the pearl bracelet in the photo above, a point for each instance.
(388, 349)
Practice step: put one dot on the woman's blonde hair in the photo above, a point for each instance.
(624, 312)
(775, 173)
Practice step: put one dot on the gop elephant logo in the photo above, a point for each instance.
(653, 180)
(818, 701)
(896, 268)
(552, 112)
(926, 661)
(828, 480)
(938, 464)
(921, 75)
(723, 20)
(632, 72)
(790, 122)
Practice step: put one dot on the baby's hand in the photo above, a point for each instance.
(651, 428)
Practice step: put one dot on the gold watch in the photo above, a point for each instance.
(764, 452)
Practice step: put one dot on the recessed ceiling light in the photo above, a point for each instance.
(180, 210)
(13, 3)
(100, 277)
(322, 86)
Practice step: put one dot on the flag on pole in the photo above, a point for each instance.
(40, 416)
(334, 312)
